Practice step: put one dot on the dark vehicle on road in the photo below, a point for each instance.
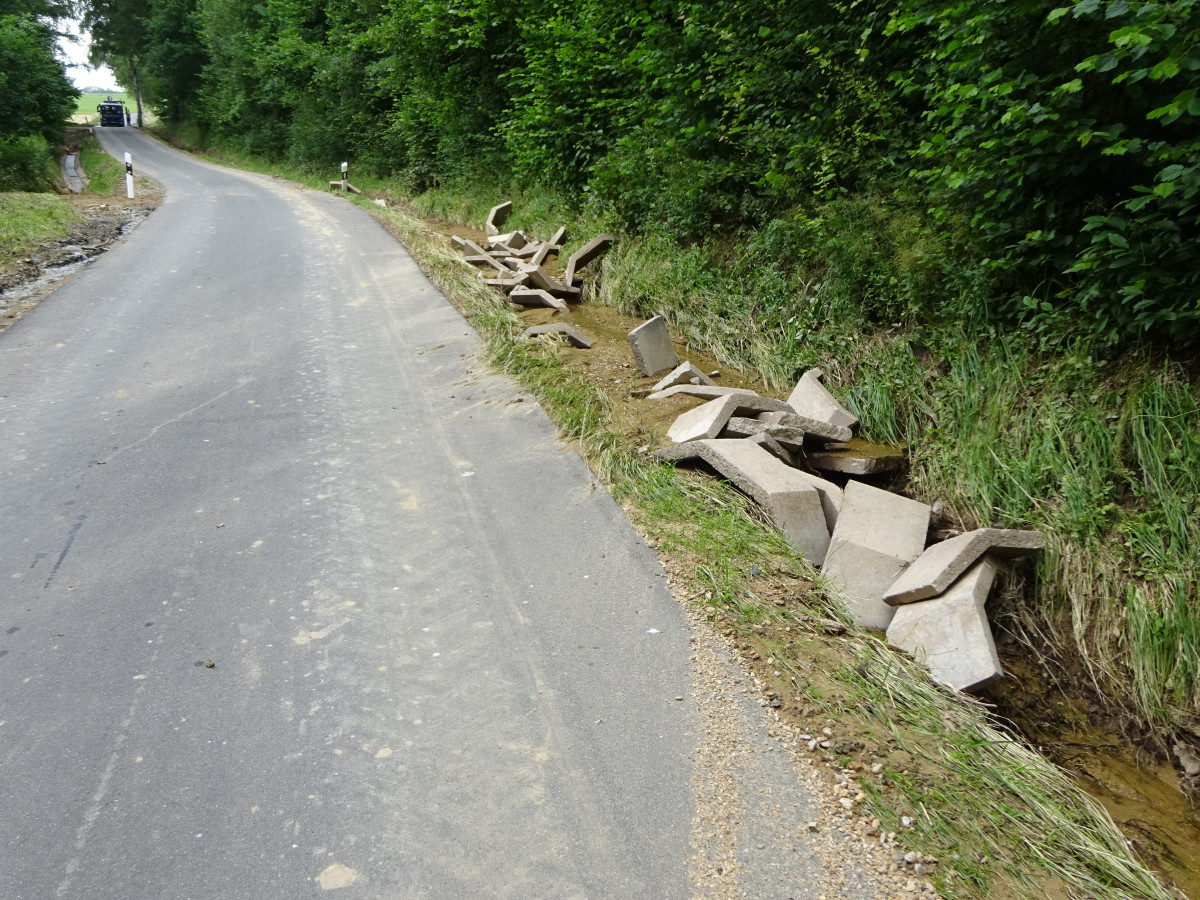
(112, 112)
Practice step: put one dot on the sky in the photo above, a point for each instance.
(75, 52)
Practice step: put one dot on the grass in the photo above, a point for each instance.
(104, 173)
(27, 219)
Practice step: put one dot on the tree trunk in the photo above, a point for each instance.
(137, 90)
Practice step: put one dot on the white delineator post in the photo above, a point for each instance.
(128, 176)
(345, 177)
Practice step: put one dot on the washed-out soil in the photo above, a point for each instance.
(29, 278)
(1137, 784)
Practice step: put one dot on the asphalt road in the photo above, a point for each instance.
(444, 665)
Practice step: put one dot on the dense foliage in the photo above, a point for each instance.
(35, 94)
(1051, 152)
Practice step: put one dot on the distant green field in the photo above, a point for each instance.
(87, 103)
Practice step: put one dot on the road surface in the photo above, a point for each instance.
(442, 662)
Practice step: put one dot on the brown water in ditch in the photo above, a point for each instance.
(1140, 792)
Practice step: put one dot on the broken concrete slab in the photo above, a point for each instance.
(740, 427)
(821, 431)
(542, 279)
(456, 241)
(574, 336)
(708, 419)
(831, 496)
(542, 252)
(811, 398)
(950, 633)
(507, 284)
(856, 457)
(537, 297)
(484, 257)
(707, 391)
(497, 216)
(684, 373)
(773, 447)
(597, 246)
(878, 534)
(793, 504)
(513, 240)
(652, 350)
(937, 568)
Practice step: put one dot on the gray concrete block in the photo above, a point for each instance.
(484, 257)
(536, 297)
(811, 398)
(684, 373)
(574, 336)
(597, 246)
(558, 236)
(772, 446)
(831, 496)
(818, 430)
(704, 421)
(741, 427)
(542, 252)
(707, 391)
(878, 534)
(950, 633)
(652, 350)
(506, 284)
(497, 217)
(938, 567)
(856, 458)
(793, 504)
(542, 279)
(513, 240)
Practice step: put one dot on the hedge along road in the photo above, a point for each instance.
(443, 664)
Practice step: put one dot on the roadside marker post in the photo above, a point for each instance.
(128, 176)
(345, 184)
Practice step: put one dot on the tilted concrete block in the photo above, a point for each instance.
(831, 496)
(707, 391)
(542, 252)
(741, 427)
(574, 336)
(811, 398)
(708, 419)
(486, 258)
(537, 297)
(585, 254)
(950, 633)
(542, 279)
(558, 236)
(856, 458)
(818, 430)
(793, 504)
(507, 284)
(878, 534)
(652, 349)
(497, 217)
(513, 240)
(772, 446)
(938, 567)
(704, 421)
(683, 374)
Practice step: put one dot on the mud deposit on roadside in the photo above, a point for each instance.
(26, 280)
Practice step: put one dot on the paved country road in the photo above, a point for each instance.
(444, 665)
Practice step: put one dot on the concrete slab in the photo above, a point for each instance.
(684, 373)
(597, 246)
(652, 349)
(574, 336)
(938, 567)
(535, 297)
(542, 279)
(772, 446)
(856, 458)
(878, 534)
(542, 252)
(831, 496)
(741, 427)
(506, 284)
(950, 633)
(811, 398)
(707, 391)
(708, 419)
(512, 240)
(793, 504)
(815, 428)
(497, 217)
(484, 257)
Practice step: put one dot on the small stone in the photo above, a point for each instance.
(877, 768)
(812, 826)
(209, 664)
(911, 887)
(906, 822)
(911, 857)
(828, 732)
(847, 803)
(715, 373)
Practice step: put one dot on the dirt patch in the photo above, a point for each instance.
(26, 280)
